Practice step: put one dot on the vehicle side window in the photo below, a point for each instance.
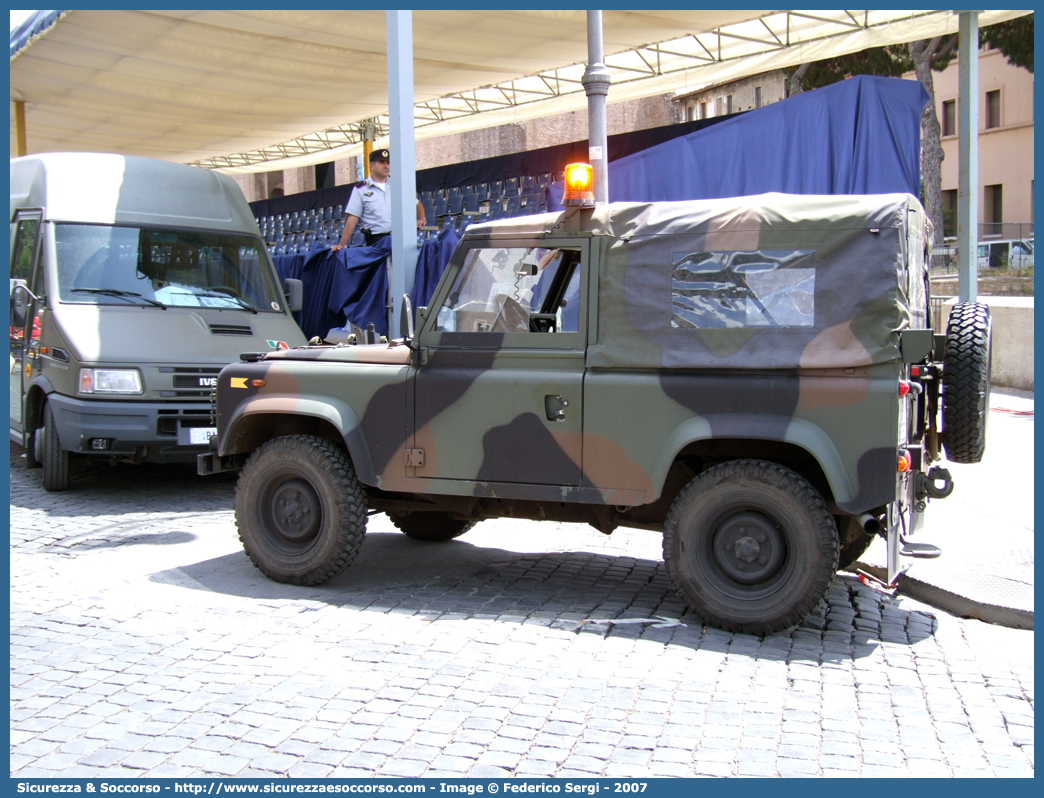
(514, 289)
(25, 245)
(764, 288)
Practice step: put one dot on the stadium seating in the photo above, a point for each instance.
(456, 207)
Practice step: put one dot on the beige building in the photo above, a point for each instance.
(1005, 146)
(622, 117)
(732, 97)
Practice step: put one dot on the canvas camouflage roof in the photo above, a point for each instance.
(772, 281)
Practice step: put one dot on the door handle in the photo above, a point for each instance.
(554, 407)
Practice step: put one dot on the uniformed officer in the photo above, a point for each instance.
(370, 204)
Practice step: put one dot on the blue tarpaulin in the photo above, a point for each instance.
(431, 263)
(350, 286)
(859, 136)
(340, 287)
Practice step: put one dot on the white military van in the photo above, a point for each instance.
(133, 282)
(1011, 254)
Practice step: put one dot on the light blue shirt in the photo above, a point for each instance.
(371, 203)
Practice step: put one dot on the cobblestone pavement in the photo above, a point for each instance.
(144, 643)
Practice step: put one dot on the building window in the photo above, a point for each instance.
(993, 109)
(949, 198)
(703, 110)
(757, 96)
(728, 103)
(949, 118)
(689, 113)
(993, 210)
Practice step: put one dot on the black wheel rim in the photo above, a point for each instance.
(292, 514)
(744, 552)
(749, 547)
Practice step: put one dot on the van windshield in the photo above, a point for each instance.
(156, 267)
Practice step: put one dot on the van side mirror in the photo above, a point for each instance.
(21, 298)
(293, 290)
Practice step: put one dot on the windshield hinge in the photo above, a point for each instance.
(415, 458)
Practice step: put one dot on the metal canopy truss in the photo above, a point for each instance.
(772, 33)
(305, 145)
(242, 90)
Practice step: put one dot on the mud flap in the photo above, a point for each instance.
(895, 533)
(905, 518)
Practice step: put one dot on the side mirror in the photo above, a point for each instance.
(21, 298)
(293, 290)
(406, 318)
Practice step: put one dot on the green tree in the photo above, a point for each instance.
(1013, 38)
(920, 57)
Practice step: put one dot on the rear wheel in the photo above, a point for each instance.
(433, 527)
(300, 510)
(966, 382)
(48, 450)
(751, 546)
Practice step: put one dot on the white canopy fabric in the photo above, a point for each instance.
(250, 91)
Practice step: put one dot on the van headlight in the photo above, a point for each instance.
(113, 381)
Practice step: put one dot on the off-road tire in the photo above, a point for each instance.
(433, 527)
(53, 458)
(300, 510)
(743, 508)
(966, 382)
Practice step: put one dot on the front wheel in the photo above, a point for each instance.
(49, 452)
(751, 546)
(300, 510)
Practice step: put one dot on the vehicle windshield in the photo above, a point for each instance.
(155, 267)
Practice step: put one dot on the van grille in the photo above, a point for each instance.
(231, 329)
(192, 383)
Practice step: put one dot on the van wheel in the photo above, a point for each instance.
(49, 451)
(31, 458)
(966, 382)
(751, 546)
(433, 527)
(300, 510)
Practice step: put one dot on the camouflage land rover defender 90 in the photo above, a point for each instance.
(756, 377)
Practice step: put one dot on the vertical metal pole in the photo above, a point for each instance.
(968, 154)
(404, 163)
(596, 83)
(369, 133)
(23, 149)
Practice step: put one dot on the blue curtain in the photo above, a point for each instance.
(431, 263)
(351, 285)
(342, 287)
(859, 136)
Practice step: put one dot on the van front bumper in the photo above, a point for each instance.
(155, 432)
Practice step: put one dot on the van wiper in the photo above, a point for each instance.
(119, 293)
(237, 299)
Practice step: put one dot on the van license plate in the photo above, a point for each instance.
(201, 435)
